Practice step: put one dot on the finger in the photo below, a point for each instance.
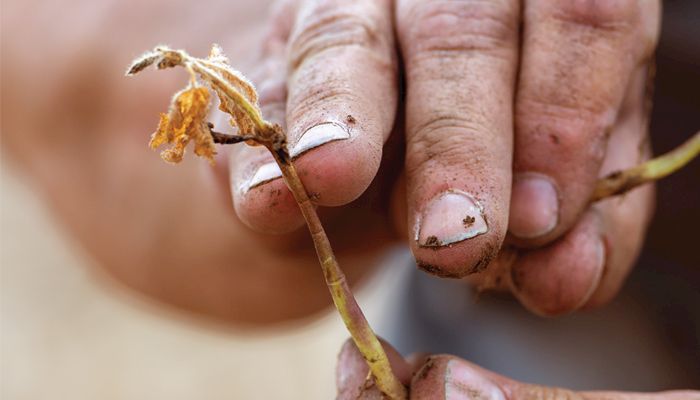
(451, 378)
(341, 102)
(342, 95)
(260, 197)
(352, 373)
(626, 217)
(460, 68)
(587, 266)
(561, 278)
(577, 60)
(448, 377)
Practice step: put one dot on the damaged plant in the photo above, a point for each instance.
(187, 122)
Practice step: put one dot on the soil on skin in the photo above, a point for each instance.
(468, 221)
(437, 271)
(433, 241)
(425, 370)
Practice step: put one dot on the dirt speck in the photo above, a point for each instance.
(437, 271)
(614, 175)
(487, 255)
(314, 196)
(468, 221)
(554, 138)
(350, 119)
(433, 241)
(425, 370)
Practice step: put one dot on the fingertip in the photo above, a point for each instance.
(458, 260)
(340, 168)
(455, 235)
(534, 210)
(465, 382)
(269, 208)
(352, 370)
(449, 377)
(261, 198)
(561, 277)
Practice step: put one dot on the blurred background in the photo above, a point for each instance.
(75, 170)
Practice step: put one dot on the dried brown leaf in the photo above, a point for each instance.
(185, 122)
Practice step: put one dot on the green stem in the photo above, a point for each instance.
(355, 321)
(251, 110)
(654, 169)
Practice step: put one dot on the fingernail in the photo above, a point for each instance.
(451, 217)
(463, 383)
(318, 135)
(265, 173)
(534, 209)
(600, 257)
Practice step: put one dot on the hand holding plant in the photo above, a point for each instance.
(186, 122)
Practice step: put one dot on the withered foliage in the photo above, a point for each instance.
(186, 120)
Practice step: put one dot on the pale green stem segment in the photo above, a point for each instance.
(208, 73)
(355, 321)
(654, 169)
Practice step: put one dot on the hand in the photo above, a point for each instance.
(487, 110)
(77, 130)
(169, 231)
(449, 377)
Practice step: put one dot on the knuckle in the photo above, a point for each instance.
(329, 27)
(568, 127)
(459, 26)
(445, 139)
(606, 15)
(317, 95)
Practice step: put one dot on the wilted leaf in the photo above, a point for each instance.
(185, 122)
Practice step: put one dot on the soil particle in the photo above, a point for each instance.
(437, 271)
(614, 175)
(350, 119)
(425, 370)
(433, 241)
(314, 196)
(468, 221)
(487, 255)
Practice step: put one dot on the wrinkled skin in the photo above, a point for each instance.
(485, 106)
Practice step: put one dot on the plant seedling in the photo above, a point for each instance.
(186, 122)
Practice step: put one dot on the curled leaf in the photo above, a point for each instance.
(218, 61)
(185, 122)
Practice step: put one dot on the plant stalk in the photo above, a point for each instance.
(622, 181)
(355, 321)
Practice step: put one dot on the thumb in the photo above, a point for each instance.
(352, 373)
(448, 377)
